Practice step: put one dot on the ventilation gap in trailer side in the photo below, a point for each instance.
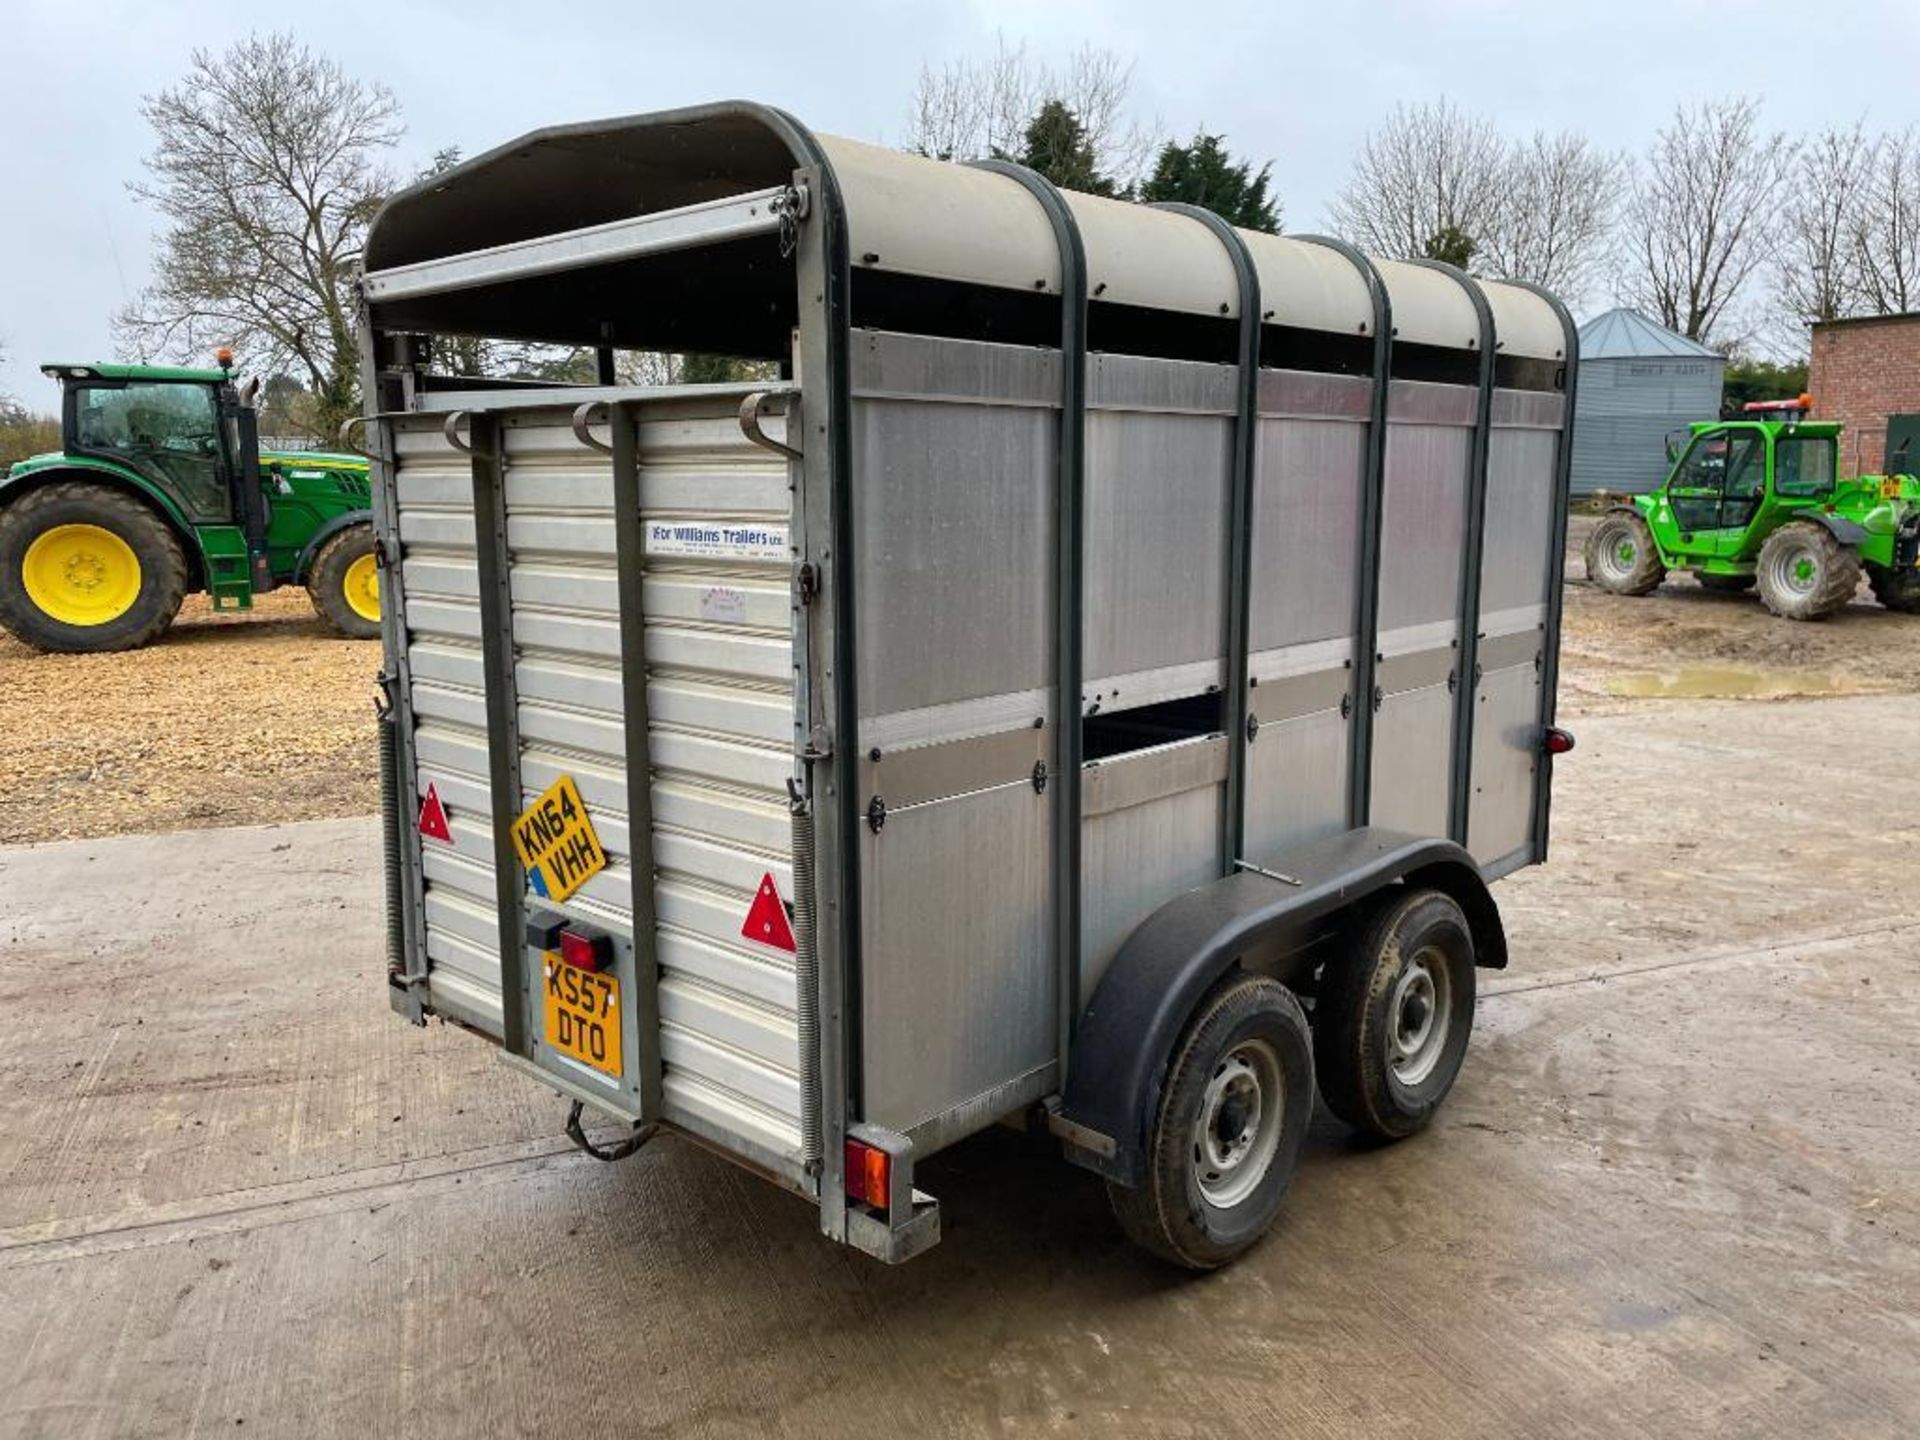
(1124, 731)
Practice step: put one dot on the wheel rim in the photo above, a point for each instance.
(1237, 1133)
(1797, 570)
(362, 587)
(1618, 552)
(81, 574)
(1419, 1015)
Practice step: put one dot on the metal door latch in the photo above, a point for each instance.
(807, 582)
(1253, 728)
(1039, 777)
(876, 814)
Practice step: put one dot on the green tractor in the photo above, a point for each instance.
(1759, 502)
(160, 488)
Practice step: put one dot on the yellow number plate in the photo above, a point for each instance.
(555, 841)
(583, 1014)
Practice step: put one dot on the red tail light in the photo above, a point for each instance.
(1558, 741)
(584, 952)
(869, 1174)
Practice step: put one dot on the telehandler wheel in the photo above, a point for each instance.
(1391, 1023)
(1805, 572)
(1725, 584)
(1621, 556)
(1896, 589)
(344, 582)
(87, 568)
(1226, 1137)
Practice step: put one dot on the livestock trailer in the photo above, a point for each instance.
(1092, 679)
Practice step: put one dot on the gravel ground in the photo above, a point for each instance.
(241, 719)
(228, 720)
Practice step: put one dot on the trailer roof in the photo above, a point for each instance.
(906, 215)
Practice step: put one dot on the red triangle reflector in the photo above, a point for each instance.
(767, 918)
(433, 817)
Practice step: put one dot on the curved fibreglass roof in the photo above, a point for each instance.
(914, 216)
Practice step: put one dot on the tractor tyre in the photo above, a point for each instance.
(1896, 589)
(86, 568)
(344, 582)
(1621, 556)
(1228, 1129)
(1725, 584)
(1806, 573)
(1393, 1016)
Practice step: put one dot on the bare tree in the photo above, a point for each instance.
(1430, 172)
(1818, 261)
(1886, 229)
(1554, 223)
(969, 109)
(1703, 215)
(268, 165)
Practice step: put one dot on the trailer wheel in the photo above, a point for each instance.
(1725, 584)
(1391, 1023)
(1895, 589)
(86, 568)
(1226, 1137)
(1806, 573)
(344, 582)
(1621, 556)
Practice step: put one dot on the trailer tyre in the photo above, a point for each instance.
(1391, 1023)
(1895, 589)
(344, 582)
(87, 568)
(1806, 573)
(1621, 556)
(1226, 1136)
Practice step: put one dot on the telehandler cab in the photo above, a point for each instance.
(160, 488)
(1759, 502)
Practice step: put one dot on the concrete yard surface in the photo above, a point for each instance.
(1674, 1193)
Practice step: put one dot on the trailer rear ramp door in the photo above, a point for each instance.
(713, 573)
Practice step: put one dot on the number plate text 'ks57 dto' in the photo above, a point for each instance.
(583, 1014)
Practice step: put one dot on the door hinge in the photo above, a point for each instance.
(1039, 777)
(1346, 705)
(807, 582)
(876, 814)
(1253, 728)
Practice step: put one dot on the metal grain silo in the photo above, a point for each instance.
(1638, 380)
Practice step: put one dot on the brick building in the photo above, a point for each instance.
(1863, 373)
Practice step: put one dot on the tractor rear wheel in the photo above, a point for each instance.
(1725, 584)
(86, 568)
(344, 581)
(1896, 589)
(1621, 556)
(1806, 573)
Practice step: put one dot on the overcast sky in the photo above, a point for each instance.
(1298, 83)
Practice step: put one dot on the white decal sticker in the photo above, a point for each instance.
(717, 540)
(724, 604)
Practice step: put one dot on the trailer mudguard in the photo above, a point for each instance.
(325, 533)
(1126, 1035)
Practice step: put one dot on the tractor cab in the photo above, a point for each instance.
(193, 436)
(1735, 480)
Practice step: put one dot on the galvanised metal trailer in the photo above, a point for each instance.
(1096, 681)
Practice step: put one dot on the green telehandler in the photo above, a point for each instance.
(1758, 502)
(160, 489)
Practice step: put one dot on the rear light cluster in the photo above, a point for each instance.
(584, 952)
(869, 1174)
